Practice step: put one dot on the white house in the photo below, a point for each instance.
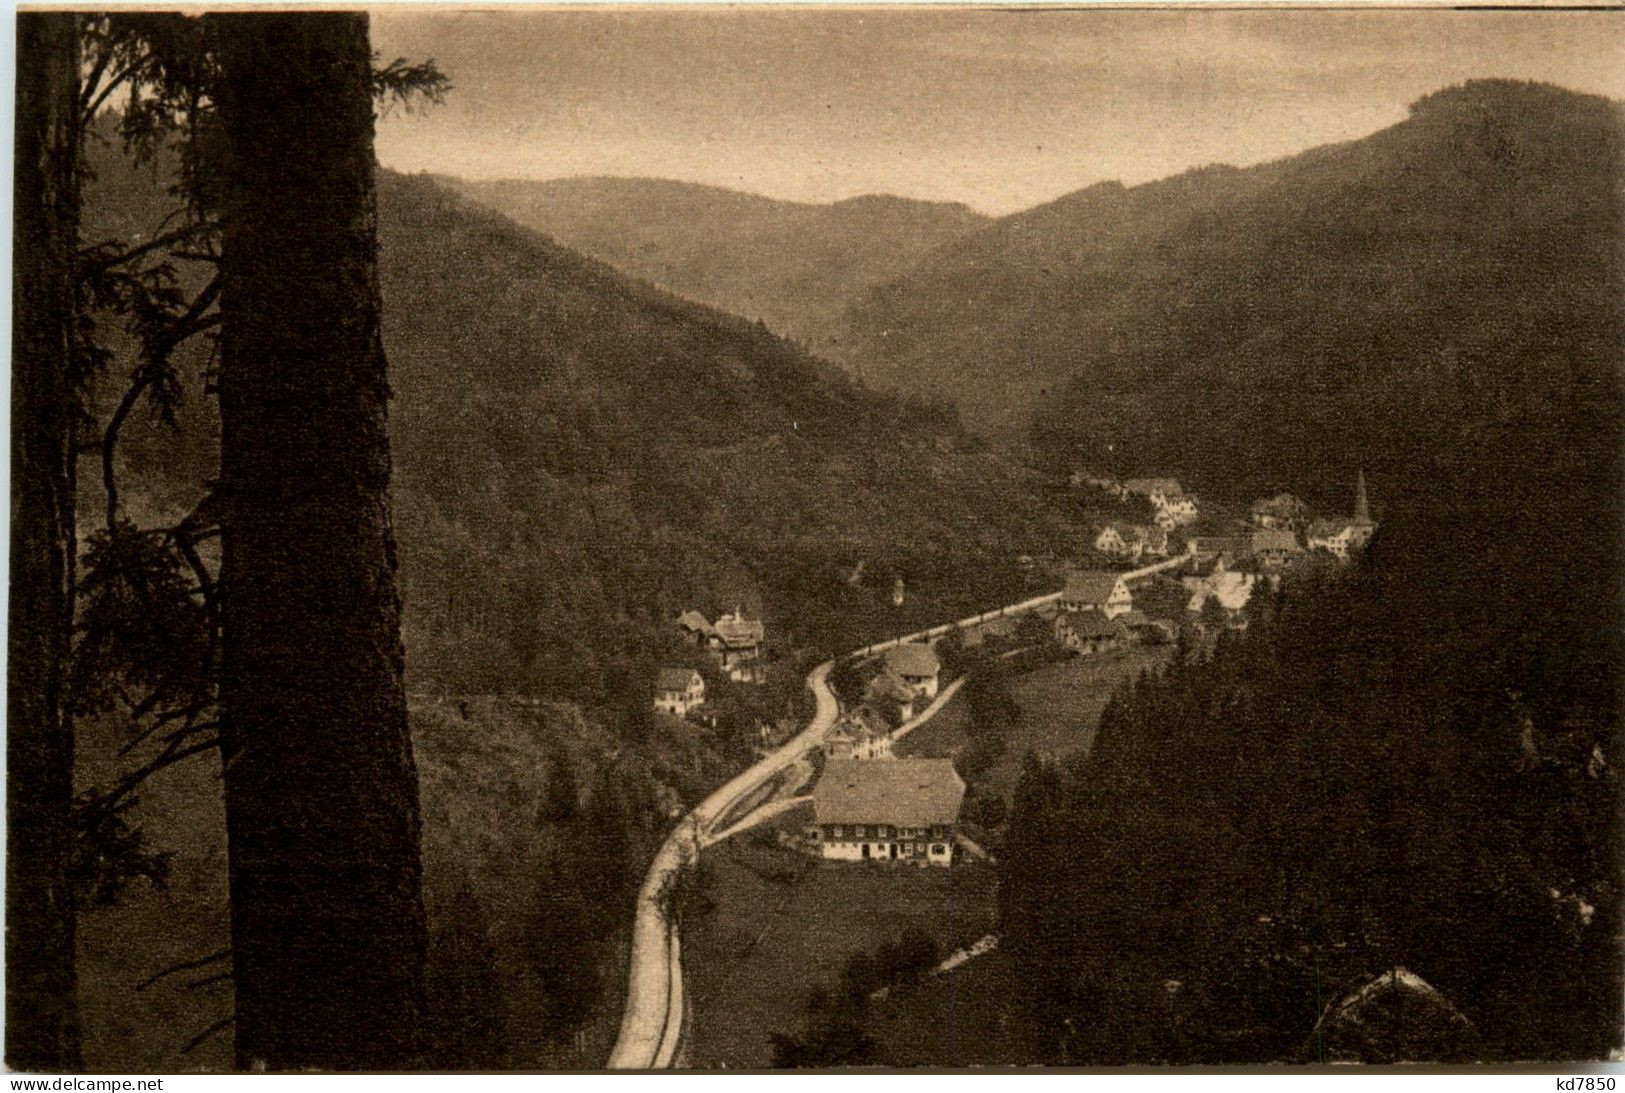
(1331, 534)
(1099, 591)
(916, 664)
(903, 810)
(1156, 490)
(1132, 540)
(678, 690)
(861, 734)
(1181, 510)
(1175, 507)
(1117, 540)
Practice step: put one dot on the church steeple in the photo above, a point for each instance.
(1362, 509)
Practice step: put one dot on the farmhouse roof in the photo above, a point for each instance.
(912, 659)
(887, 686)
(1090, 587)
(676, 679)
(1219, 544)
(736, 630)
(1274, 539)
(902, 792)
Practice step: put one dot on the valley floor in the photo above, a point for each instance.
(782, 923)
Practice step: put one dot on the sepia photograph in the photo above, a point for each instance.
(708, 537)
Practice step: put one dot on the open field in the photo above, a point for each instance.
(941, 735)
(783, 922)
(1060, 711)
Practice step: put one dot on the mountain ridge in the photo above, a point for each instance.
(792, 264)
(1221, 276)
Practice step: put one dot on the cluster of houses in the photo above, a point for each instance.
(1278, 528)
(734, 642)
(889, 809)
(910, 674)
(1096, 614)
(1279, 521)
(1173, 507)
(870, 805)
(1132, 542)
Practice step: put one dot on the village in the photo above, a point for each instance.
(899, 770)
(909, 762)
(1164, 583)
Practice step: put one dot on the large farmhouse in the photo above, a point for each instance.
(902, 810)
(740, 646)
(1272, 547)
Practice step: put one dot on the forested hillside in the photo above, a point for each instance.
(578, 456)
(1414, 766)
(1269, 326)
(581, 457)
(791, 264)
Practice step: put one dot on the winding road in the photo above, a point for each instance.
(652, 1025)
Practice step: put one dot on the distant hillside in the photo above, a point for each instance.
(1275, 324)
(579, 456)
(795, 266)
(582, 456)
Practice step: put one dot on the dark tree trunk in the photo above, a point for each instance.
(321, 790)
(41, 1013)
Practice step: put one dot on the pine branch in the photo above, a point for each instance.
(88, 115)
(197, 1041)
(192, 321)
(184, 966)
(98, 808)
(111, 261)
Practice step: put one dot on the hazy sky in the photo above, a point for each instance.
(998, 109)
